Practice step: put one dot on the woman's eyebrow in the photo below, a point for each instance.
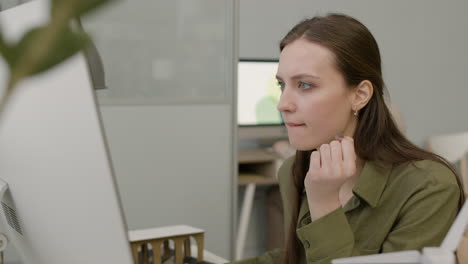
(303, 75)
(300, 76)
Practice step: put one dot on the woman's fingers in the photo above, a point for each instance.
(349, 155)
(315, 160)
(347, 145)
(336, 152)
(325, 156)
(337, 157)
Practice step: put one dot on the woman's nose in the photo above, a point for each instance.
(286, 102)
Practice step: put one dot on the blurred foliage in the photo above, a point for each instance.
(48, 45)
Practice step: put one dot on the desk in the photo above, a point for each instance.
(257, 167)
(159, 239)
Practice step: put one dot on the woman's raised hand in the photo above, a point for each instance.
(330, 167)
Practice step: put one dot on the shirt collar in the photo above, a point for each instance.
(372, 182)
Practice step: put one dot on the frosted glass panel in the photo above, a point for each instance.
(163, 51)
(6, 4)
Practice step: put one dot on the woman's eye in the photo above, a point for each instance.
(281, 85)
(305, 86)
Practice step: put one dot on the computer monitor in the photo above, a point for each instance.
(60, 202)
(258, 94)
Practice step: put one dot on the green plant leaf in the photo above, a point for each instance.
(80, 7)
(3, 45)
(66, 44)
(5, 49)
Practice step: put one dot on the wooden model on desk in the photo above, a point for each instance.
(158, 237)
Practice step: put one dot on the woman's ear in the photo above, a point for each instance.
(362, 94)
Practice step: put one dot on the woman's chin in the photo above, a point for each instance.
(302, 146)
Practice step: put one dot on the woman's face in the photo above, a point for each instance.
(316, 103)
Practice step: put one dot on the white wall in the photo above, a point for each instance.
(423, 46)
(174, 166)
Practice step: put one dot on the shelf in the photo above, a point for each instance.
(247, 178)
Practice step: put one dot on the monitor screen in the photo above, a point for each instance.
(59, 199)
(258, 93)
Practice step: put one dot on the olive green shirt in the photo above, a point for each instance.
(406, 207)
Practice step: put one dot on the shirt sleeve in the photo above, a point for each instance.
(327, 238)
(423, 221)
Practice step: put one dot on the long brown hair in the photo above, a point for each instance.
(376, 138)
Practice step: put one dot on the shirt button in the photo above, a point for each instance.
(306, 244)
(306, 221)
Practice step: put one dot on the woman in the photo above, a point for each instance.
(356, 185)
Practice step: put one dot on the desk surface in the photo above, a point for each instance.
(162, 232)
(256, 155)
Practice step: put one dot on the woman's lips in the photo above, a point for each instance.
(291, 124)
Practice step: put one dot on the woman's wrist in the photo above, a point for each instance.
(321, 207)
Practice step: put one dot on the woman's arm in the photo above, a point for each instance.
(423, 221)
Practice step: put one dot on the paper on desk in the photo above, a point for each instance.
(407, 257)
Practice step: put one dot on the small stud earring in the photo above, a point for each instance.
(355, 111)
